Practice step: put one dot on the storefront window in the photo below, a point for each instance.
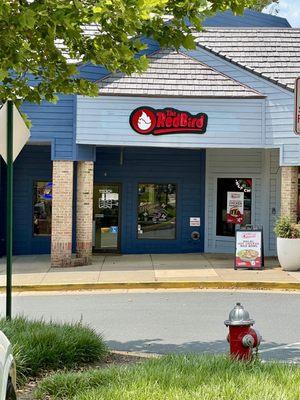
(156, 211)
(231, 191)
(42, 208)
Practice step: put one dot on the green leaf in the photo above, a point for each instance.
(3, 74)
(188, 42)
(27, 19)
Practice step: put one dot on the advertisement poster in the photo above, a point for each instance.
(248, 249)
(235, 207)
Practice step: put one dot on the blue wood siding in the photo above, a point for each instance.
(53, 123)
(34, 163)
(231, 122)
(279, 106)
(186, 168)
(260, 165)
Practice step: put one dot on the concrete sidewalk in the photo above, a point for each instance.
(147, 270)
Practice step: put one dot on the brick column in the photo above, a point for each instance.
(62, 208)
(84, 212)
(289, 192)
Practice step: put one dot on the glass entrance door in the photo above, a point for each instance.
(106, 217)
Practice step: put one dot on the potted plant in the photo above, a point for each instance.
(288, 244)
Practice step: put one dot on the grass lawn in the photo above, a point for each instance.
(173, 377)
(40, 346)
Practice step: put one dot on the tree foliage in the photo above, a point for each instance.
(35, 36)
(261, 4)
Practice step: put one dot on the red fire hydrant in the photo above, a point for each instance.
(242, 338)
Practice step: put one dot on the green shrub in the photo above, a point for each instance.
(39, 345)
(65, 385)
(284, 228)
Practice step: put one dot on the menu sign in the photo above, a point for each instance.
(235, 207)
(248, 249)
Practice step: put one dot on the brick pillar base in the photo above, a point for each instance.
(84, 212)
(62, 208)
(289, 192)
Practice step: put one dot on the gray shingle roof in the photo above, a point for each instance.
(172, 73)
(270, 52)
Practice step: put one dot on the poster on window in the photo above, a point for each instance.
(235, 207)
(249, 249)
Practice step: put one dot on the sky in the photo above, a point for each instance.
(290, 9)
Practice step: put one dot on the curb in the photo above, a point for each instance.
(138, 354)
(156, 285)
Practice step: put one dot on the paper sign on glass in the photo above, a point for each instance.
(235, 207)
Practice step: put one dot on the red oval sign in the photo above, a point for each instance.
(147, 120)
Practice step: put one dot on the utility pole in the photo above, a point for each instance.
(9, 208)
(14, 134)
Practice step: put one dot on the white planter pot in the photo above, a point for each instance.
(288, 251)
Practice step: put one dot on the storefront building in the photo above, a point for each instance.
(146, 167)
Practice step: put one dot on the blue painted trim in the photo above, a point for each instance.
(85, 152)
(52, 150)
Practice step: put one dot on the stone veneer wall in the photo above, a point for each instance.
(84, 217)
(289, 192)
(62, 207)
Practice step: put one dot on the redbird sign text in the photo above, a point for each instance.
(147, 120)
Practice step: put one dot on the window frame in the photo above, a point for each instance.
(215, 201)
(34, 186)
(137, 210)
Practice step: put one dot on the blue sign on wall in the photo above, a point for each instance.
(114, 229)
